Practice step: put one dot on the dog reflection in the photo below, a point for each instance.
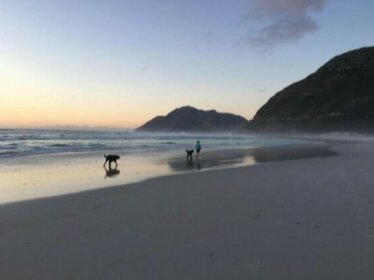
(189, 162)
(111, 172)
(191, 165)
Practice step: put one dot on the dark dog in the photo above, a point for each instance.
(110, 159)
(189, 155)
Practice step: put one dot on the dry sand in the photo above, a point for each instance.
(298, 219)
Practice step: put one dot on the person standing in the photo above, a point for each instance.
(197, 148)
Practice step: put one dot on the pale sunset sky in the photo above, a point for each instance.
(119, 63)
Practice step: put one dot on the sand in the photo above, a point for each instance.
(296, 219)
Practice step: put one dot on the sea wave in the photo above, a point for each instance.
(15, 143)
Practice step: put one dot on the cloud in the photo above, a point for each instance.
(281, 21)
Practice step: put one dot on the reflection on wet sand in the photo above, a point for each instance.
(49, 175)
(238, 157)
(111, 172)
(190, 164)
(210, 159)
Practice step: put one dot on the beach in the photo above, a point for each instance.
(45, 163)
(295, 218)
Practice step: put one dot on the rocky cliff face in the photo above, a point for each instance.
(338, 96)
(189, 119)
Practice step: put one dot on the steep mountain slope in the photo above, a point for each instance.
(338, 96)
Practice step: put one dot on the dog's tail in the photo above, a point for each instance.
(105, 155)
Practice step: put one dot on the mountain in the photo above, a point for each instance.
(339, 96)
(189, 119)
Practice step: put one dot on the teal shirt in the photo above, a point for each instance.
(198, 147)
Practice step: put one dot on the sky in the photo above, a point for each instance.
(119, 63)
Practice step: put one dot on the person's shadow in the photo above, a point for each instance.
(111, 172)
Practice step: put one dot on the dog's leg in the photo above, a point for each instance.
(105, 162)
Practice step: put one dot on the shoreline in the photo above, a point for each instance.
(282, 154)
(55, 175)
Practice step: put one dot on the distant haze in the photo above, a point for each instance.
(120, 63)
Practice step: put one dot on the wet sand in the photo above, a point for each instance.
(31, 177)
(308, 218)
